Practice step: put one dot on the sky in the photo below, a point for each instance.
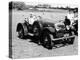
(52, 4)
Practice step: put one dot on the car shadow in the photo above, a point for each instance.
(58, 44)
(32, 39)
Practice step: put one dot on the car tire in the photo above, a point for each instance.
(20, 31)
(37, 31)
(71, 40)
(46, 40)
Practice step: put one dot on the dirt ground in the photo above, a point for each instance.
(24, 48)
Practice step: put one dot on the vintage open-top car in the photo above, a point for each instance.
(47, 34)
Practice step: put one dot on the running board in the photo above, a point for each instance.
(63, 38)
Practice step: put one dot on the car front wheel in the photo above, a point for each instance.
(46, 40)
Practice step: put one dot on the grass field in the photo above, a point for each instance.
(25, 49)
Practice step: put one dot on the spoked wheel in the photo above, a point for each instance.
(47, 42)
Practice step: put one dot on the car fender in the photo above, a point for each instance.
(50, 29)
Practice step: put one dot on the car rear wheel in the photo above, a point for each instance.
(20, 31)
(37, 31)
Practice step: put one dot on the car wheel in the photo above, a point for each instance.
(70, 40)
(20, 31)
(46, 41)
(37, 31)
